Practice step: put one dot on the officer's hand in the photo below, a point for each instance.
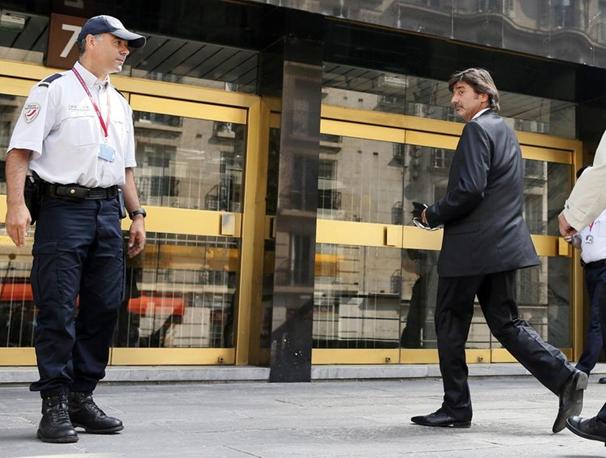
(136, 239)
(17, 220)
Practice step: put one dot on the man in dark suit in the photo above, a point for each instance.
(485, 242)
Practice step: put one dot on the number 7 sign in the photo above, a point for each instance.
(63, 33)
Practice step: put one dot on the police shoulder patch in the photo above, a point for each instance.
(31, 111)
(47, 81)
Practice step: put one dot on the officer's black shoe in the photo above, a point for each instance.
(85, 413)
(588, 428)
(55, 425)
(602, 380)
(571, 399)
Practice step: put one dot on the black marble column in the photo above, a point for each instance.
(297, 79)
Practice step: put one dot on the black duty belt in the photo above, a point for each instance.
(595, 264)
(75, 191)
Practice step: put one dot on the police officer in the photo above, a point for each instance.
(76, 134)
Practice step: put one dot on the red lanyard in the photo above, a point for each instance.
(104, 124)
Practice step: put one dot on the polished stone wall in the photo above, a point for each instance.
(569, 30)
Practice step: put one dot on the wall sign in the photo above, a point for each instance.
(62, 35)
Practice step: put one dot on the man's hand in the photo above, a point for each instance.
(136, 239)
(17, 220)
(565, 228)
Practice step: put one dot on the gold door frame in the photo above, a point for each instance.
(396, 128)
(194, 102)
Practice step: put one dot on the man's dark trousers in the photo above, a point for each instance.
(78, 259)
(454, 311)
(595, 280)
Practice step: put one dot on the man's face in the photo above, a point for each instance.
(466, 101)
(109, 52)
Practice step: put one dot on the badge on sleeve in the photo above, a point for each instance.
(31, 111)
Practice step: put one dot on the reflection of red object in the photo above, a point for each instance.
(16, 292)
(156, 305)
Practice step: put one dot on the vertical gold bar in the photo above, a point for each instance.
(248, 312)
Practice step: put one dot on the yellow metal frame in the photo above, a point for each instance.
(171, 356)
(261, 114)
(18, 78)
(395, 128)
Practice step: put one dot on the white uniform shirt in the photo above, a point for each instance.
(59, 124)
(593, 240)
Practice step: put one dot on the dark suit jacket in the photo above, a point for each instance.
(484, 231)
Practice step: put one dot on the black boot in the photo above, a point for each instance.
(55, 425)
(85, 413)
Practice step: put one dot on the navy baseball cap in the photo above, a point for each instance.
(109, 24)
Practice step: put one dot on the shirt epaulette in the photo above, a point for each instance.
(46, 82)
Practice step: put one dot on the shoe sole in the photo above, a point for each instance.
(57, 440)
(459, 424)
(584, 435)
(112, 430)
(580, 384)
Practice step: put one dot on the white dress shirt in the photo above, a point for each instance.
(59, 124)
(593, 240)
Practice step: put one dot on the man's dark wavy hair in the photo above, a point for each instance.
(481, 82)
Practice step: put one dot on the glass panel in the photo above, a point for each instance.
(427, 98)
(194, 62)
(10, 109)
(543, 295)
(419, 283)
(17, 311)
(426, 175)
(357, 297)
(23, 37)
(360, 180)
(180, 293)
(269, 250)
(546, 188)
(419, 280)
(189, 163)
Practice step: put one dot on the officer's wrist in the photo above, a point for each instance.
(139, 213)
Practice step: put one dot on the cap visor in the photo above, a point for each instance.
(134, 39)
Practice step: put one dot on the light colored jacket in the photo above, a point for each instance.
(588, 197)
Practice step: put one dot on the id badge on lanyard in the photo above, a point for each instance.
(106, 152)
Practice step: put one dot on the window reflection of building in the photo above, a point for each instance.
(181, 293)
(10, 109)
(378, 181)
(184, 290)
(427, 98)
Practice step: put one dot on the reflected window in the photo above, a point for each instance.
(427, 98)
(189, 163)
(180, 293)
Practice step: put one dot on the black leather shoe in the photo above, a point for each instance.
(85, 413)
(571, 399)
(589, 428)
(602, 380)
(440, 419)
(55, 425)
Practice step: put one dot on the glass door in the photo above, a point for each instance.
(188, 297)
(376, 276)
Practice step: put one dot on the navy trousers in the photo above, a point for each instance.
(595, 280)
(78, 281)
(454, 311)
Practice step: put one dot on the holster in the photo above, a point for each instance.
(32, 192)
